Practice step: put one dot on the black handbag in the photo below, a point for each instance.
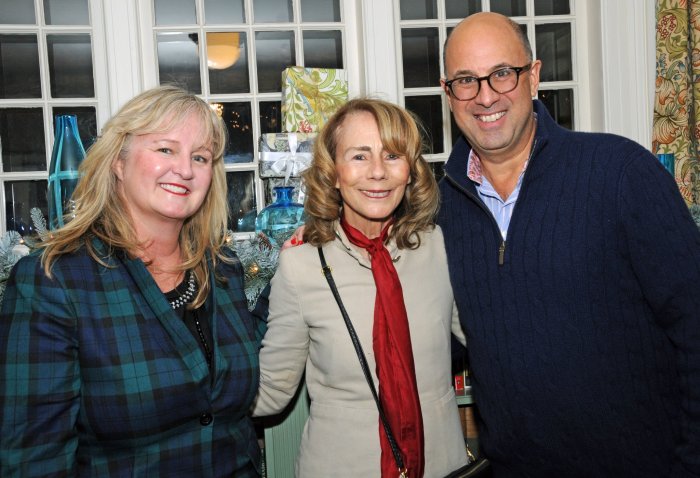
(476, 468)
(479, 468)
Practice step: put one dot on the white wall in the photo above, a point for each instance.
(628, 29)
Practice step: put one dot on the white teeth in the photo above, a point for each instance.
(491, 118)
(173, 188)
(375, 194)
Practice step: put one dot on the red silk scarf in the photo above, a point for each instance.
(398, 392)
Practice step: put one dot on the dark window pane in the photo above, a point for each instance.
(178, 60)
(510, 8)
(66, 12)
(552, 7)
(17, 12)
(224, 11)
(421, 57)
(461, 8)
(70, 66)
(428, 111)
(274, 52)
(438, 168)
(270, 116)
(238, 120)
(19, 67)
(560, 104)
(227, 58)
(418, 9)
(553, 42)
(87, 122)
(241, 200)
(323, 49)
(272, 11)
(175, 12)
(20, 198)
(320, 11)
(22, 139)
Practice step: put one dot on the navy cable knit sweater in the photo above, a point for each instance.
(583, 329)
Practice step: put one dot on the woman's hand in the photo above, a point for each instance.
(297, 239)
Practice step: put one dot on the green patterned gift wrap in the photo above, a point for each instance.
(310, 96)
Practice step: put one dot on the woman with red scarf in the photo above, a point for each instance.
(371, 201)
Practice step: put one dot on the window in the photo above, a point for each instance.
(46, 69)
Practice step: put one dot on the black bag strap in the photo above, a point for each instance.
(363, 363)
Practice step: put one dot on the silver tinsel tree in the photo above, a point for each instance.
(9, 255)
(259, 258)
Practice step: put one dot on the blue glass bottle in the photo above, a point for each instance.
(279, 220)
(66, 156)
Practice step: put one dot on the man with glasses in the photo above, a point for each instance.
(576, 270)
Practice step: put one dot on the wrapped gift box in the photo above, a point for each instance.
(285, 155)
(310, 96)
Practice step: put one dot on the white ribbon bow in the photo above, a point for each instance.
(291, 162)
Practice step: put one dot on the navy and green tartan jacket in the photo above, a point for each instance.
(99, 377)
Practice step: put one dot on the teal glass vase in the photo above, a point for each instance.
(66, 156)
(279, 220)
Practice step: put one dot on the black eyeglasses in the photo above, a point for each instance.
(503, 80)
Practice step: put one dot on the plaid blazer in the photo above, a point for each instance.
(99, 377)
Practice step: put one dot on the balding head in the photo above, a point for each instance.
(492, 24)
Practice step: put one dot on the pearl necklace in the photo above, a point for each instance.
(186, 297)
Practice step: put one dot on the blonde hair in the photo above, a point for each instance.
(100, 209)
(400, 135)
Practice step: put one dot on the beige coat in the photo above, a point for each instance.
(306, 330)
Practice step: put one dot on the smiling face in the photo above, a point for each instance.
(164, 177)
(497, 125)
(371, 180)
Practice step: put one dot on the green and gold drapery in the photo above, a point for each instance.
(677, 100)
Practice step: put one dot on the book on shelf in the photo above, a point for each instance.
(460, 372)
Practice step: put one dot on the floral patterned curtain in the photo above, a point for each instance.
(677, 102)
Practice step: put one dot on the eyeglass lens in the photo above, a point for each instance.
(501, 81)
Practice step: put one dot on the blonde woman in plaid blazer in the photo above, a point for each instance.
(126, 348)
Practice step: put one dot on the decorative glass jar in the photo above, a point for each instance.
(279, 220)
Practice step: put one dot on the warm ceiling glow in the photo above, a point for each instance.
(223, 49)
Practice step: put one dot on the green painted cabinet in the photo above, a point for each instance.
(282, 439)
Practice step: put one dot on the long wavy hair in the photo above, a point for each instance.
(400, 135)
(100, 211)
